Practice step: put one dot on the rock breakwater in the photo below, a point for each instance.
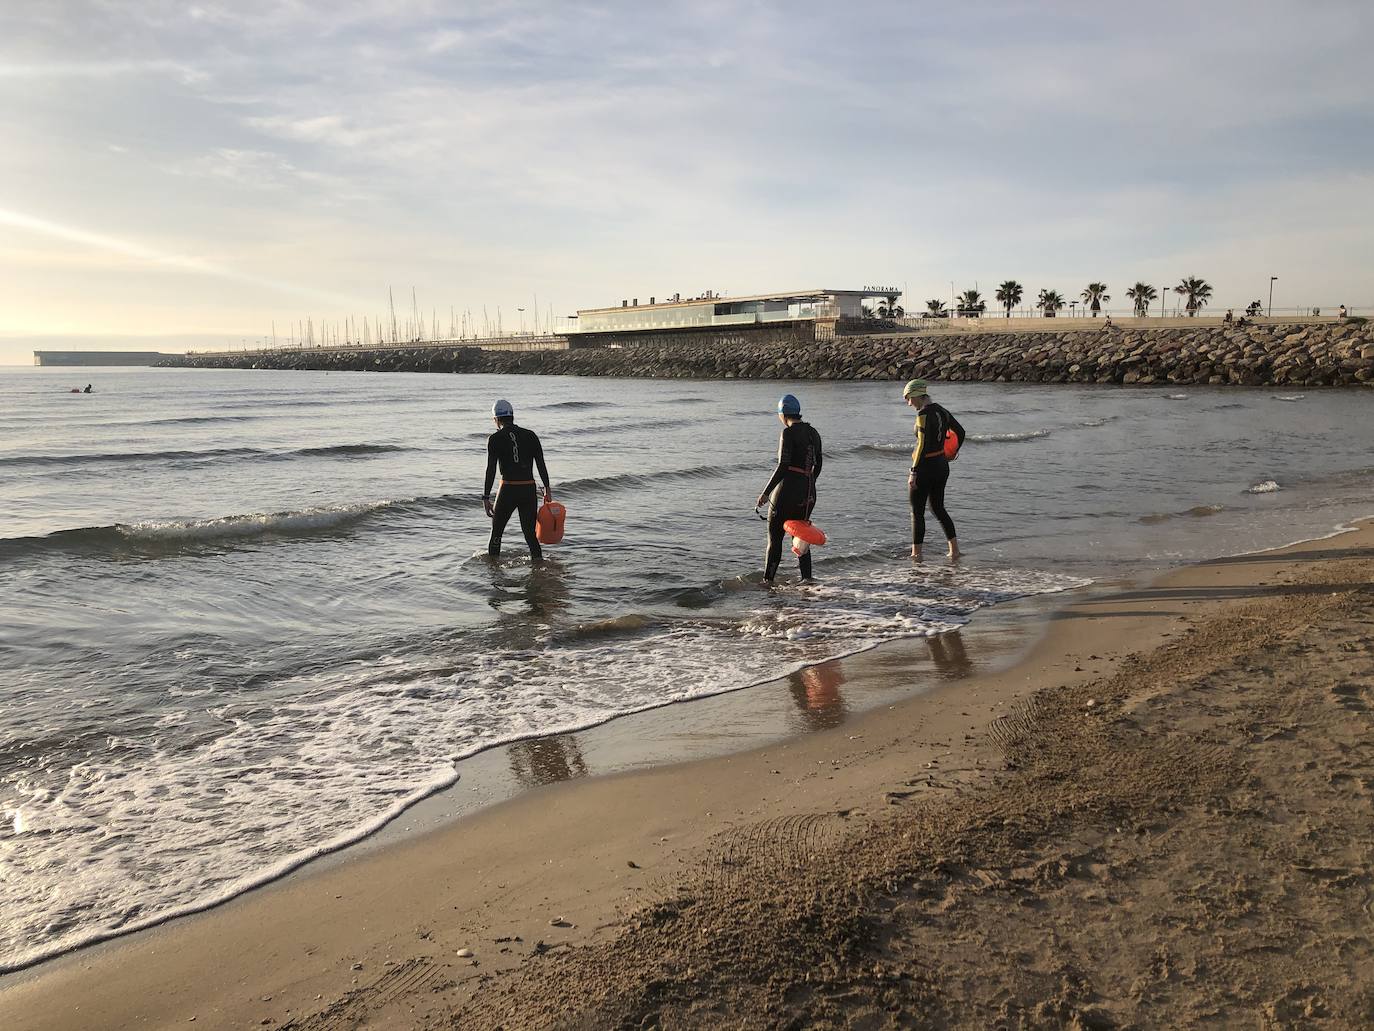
(1325, 354)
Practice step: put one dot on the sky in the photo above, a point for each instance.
(189, 175)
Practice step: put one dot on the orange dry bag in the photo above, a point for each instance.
(804, 530)
(548, 522)
(951, 443)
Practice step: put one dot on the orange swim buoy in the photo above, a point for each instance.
(548, 522)
(804, 530)
(951, 443)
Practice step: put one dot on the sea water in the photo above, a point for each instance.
(247, 617)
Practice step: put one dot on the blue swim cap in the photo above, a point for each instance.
(502, 409)
(789, 405)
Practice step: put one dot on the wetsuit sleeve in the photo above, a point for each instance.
(539, 461)
(816, 472)
(491, 466)
(784, 459)
(920, 448)
(958, 430)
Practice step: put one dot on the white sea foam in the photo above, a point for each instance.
(208, 806)
(1289, 397)
(1265, 487)
(1007, 438)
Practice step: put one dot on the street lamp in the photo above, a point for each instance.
(1271, 295)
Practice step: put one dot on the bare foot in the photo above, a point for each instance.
(954, 551)
(915, 553)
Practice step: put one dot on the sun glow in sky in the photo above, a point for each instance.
(183, 175)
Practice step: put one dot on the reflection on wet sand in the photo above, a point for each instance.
(546, 760)
(816, 691)
(949, 655)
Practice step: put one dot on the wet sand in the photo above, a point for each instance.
(1193, 846)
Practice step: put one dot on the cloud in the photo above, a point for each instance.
(593, 146)
(185, 74)
(141, 252)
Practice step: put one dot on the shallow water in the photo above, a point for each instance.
(245, 617)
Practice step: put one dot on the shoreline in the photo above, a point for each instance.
(129, 978)
(664, 734)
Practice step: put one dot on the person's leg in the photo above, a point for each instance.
(529, 508)
(804, 559)
(505, 505)
(937, 505)
(775, 520)
(918, 496)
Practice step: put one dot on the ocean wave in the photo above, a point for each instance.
(622, 481)
(577, 404)
(210, 454)
(887, 449)
(1289, 397)
(152, 534)
(629, 623)
(1007, 438)
(1265, 487)
(621, 426)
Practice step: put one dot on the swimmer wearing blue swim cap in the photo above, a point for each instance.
(793, 485)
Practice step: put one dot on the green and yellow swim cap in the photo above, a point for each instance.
(915, 388)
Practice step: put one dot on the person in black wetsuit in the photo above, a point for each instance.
(929, 467)
(793, 485)
(516, 451)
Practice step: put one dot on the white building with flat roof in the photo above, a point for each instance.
(713, 310)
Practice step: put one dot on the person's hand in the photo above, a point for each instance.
(548, 495)
(763, 499)
(491, 509)
(910, 480)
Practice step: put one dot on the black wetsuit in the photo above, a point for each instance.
(931, 467)
(516, 451)
(793, 487)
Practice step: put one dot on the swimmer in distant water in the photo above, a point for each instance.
(516, 451)
(87, 390)
(793, 485)
(925, 483)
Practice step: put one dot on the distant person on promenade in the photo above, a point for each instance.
(925, 483)
(515, 451)
(793, 485)
(1341, 312)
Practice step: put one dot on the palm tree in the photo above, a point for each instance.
(1143, 294)
(1049, 302)
(936, 309)
(1009, 295)
(1198, 292)
(1094, 295)
(970, 304)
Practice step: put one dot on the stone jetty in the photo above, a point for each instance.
(1307, 355)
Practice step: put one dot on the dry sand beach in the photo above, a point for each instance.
(1159, 817)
